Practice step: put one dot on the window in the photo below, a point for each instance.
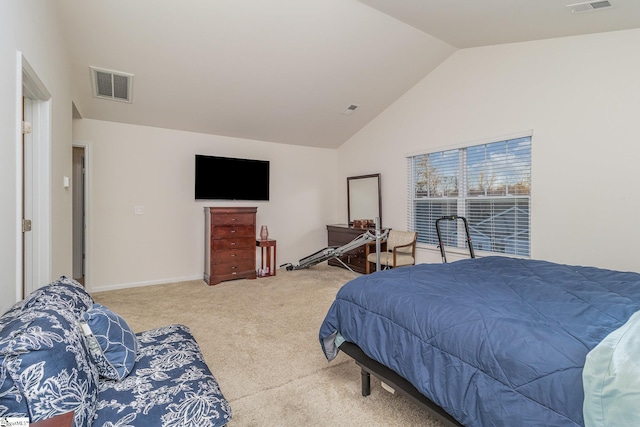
(489, 184)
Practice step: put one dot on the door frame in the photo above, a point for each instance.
(38, 260)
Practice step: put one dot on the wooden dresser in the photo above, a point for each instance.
(341, 234)
(230, 244)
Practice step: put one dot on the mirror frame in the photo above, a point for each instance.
(375, 176)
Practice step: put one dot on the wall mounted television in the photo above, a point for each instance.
(227, 178)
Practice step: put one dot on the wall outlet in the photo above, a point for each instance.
(138, 210)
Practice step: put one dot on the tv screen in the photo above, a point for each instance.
(227, 178)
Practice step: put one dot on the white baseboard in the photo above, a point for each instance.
(146, 283)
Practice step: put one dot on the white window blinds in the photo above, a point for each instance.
(489, 184)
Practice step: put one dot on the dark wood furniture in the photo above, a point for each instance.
(341, 234)
(230, 235)
(265, 246)
(64, 420)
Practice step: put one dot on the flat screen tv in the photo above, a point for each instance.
(227, 178)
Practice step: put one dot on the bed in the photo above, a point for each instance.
(495, 341)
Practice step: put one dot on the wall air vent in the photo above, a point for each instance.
(113, 85)
(589, 6)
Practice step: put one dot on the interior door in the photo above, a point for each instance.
(35, 146)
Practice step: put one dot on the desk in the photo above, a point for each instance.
(270, 269)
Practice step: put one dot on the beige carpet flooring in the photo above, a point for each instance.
(260, 339)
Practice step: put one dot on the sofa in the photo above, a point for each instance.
(61, 352)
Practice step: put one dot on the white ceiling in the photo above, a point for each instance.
(284, 70)
(472, 23)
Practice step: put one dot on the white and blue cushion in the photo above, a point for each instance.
(170, 386)
(12, 402)
(112, 343)
(63, 294)
(47, 370)
(45, 358)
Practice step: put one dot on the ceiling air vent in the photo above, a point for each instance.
(589, 6)
(109, 84)
(350, 109)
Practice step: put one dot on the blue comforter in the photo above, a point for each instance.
(494, 341)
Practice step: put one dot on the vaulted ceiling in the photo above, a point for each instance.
(285, 71)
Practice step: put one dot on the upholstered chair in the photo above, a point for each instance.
(399, 249)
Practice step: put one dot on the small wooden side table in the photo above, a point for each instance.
(270, 266)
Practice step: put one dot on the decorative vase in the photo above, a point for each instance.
(264, 232)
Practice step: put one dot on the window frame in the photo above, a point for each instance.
(455, 207)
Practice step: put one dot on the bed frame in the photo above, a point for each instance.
(370, 367)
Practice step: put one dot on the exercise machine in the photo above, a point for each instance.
(336, 252)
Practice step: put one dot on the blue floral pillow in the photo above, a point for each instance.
(62, 294)
(112, 343)
(46, 369)
(12, 403)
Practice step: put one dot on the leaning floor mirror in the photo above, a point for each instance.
(364, 202)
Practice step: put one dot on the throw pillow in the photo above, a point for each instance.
(45, 357)
(112, 343)
(12, 402)
(62, 294)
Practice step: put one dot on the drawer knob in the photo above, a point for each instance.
(233, 231)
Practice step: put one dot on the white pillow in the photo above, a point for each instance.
(611, 379)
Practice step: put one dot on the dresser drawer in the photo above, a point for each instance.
(357, 260)
(244, 243)
(233, 219)
(232, 268)
(227, 232)
(232, 256)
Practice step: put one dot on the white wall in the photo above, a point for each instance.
(581, 98)
(151, 167)
(28, 26)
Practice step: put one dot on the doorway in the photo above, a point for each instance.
(79, 213)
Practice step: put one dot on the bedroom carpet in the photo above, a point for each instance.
(260, 339)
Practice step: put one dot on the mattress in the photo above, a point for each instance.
(494, 341)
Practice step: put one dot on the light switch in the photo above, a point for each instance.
(66, 182)
(139, 210)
